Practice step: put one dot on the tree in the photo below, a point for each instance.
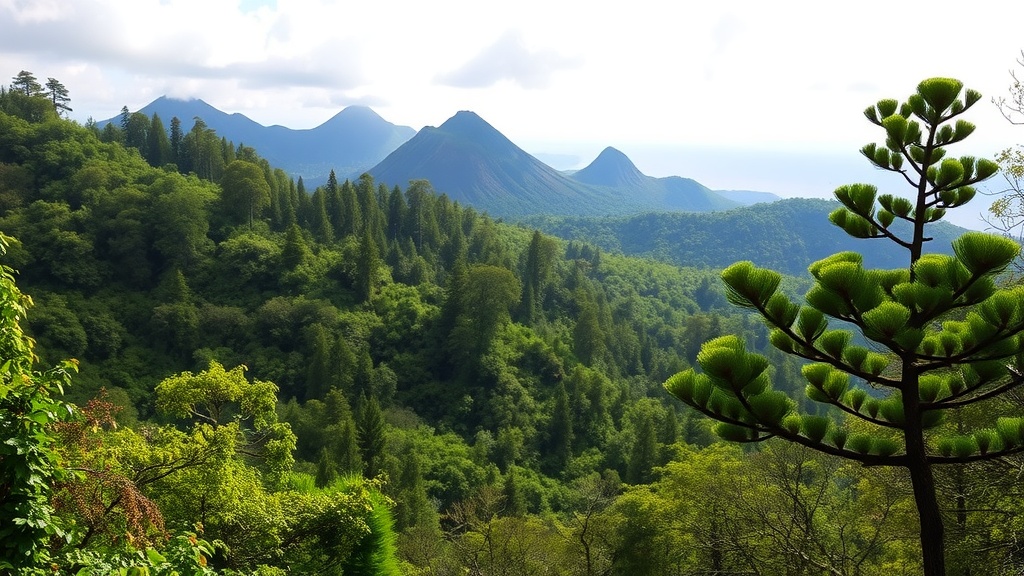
(29, 407)
(948, 337)
(158, 147)
(367, 267)
(371, 436)
(175, 140)
(59, 95)
(245, 188)
(218, 400)
(26, 83)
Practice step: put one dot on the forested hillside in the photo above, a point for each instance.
(358, 379)
(785, 235)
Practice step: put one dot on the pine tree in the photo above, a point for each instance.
(318, 372)
(367, 267)
(511, 491)
(560, 432)
(295, 251)
(943, 335)
(159, 147)
(26, 83)
(175, 139)
(351, 218)
(59, 95)
(643, 457)
(370, 431)
(326, 472)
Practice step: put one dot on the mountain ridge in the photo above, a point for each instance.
(474, 163)
(351, 141)
(465, 158)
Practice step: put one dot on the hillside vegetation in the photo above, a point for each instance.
(360, 379)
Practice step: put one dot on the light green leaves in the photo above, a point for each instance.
(940, 93)
(984, 254)
(749, 286)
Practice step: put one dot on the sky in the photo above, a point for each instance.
(763, 95)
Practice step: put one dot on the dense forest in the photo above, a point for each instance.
(351, 379)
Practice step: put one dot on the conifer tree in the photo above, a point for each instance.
(942, 334)
(326, 473)
(158, 147)
(58, 94)
(367, 267)
(26, 83)
(175, 140)
(370, 432)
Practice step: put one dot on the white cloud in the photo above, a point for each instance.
(781, 75)
(508, 59)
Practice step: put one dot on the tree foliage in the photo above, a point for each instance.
(30, 403)
(943, 336)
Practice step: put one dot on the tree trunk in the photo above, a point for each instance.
(932, 545)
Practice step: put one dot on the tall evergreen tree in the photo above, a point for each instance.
(158, 147)
(326, 471)
(351, 221)
(26, 83)
(370, 431)
(318, 372)
(367, 267)
(943, 336)
(319, 221)
(412, 507)
(560, 432)
(175, 141)
(59, 95)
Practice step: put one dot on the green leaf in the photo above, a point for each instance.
(810, 323)
(885, 321)
(983, 253)
(859, 443)
(839, 437)
(896, 128)
(781, 311)
(815, 427)
(852, 223)
(733, 433)
(887, 107)
(770, 407)
(855, 398)
(154, 556)
(950, 172)
(749, 286)
(834, 342)
(885, 446)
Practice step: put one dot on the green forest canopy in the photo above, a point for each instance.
(499, 388)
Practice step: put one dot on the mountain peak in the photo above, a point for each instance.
(610, 168)
(466, 121)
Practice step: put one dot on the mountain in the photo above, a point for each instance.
(787, 235)
(473, 163)
(613, 169)
(350, 142)
(748, 197)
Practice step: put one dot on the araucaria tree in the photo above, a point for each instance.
(940, 334)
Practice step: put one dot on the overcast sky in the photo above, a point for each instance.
(754, 77)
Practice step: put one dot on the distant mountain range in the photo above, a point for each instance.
(473, 163)
(465, 158)
(350, 142)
